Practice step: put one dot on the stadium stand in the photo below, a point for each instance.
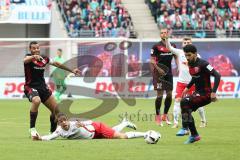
(96, 18)
(198, 18)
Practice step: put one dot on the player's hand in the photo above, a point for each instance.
(213, 97)
(160, 71)
(79, 124)
(152, 61)
(76, 71)
(37, 57)
(184, 93)
(36, 138)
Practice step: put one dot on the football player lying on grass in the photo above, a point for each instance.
(89, 130)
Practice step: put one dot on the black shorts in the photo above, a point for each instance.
(162, 82)
(197, 100)
(44, 93)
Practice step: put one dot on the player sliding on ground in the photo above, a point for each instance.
(90, 130)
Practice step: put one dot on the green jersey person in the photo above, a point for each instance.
(59, 76)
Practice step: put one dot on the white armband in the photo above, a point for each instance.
(209, 67)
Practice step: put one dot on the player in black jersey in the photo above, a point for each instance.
(201, 71)
(35, 87)
(161, 59)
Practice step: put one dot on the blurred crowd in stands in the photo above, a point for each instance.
(223, 65)
(96, 18)
(198, 18)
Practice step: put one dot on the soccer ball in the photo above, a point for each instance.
(152, 137)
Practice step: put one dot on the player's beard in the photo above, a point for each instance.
(191, 62)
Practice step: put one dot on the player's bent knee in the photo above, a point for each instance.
(184, 102)
(36, 100)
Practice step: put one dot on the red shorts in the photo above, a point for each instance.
(102, 131)
(180, 87)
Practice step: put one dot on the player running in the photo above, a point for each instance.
(90, 130)
(35, 87)
(184, 78)
(201, 71)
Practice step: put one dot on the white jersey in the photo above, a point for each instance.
(184, 75)
(74, 132)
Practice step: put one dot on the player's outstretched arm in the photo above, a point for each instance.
(76, 71)
(52, 136)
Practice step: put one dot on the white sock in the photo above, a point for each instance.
(135, 134)
(120, 127)
(176, 112)
(201, 112)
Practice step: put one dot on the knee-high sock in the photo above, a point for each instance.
(120, 126)
(188, 121)
(184, 120)
(158, 103)
(192, 126)
(167, 103)
(201, 112)
(135, 134)
(53, 123)
(33, 118)
(176, 111)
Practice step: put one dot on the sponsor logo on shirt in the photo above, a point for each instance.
(39, 68)
(196, 69)
(166, 54)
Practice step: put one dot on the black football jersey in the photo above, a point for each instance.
(34, 72)
(163, 55)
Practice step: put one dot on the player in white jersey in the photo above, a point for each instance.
(89, 130)
(184, 78)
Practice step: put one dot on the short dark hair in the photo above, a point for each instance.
(31, 43)
(59, 49)
(190, 48)
(164, 28)
(187, 38)
(59, 115)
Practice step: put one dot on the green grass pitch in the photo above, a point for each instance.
(220, 140)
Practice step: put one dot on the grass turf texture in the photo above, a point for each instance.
(220, 140)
